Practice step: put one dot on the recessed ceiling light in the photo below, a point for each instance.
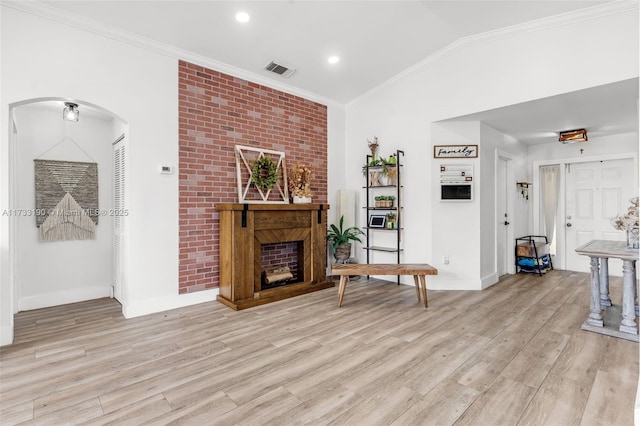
(334, 59)
(242, 17)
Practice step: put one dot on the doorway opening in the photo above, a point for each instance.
(591, 192)
(42, 273)
(504, 214)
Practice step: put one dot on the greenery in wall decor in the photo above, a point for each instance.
(264, 173)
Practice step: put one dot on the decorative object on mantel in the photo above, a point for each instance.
(341, 239)
(300, 183)
(265, 172)
(524, 189)
(66, 200)
(629, 223)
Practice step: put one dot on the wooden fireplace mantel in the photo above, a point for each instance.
(243, 230)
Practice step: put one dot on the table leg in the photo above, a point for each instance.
(343, 286)
(628, 323)
(423, 284)
(415, 280)
(595, 315)
(605, 300)
(635, 288)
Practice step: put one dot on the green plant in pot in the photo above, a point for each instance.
(392, 218)
(341, 238)
(375, 162)
(384, 201)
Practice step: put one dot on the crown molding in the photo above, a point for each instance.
(96, 27)
(593, 12)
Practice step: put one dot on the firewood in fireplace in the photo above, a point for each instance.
(276, 274)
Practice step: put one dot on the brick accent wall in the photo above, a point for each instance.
(217, 112)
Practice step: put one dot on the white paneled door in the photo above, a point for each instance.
(503, 235)
(595, 192)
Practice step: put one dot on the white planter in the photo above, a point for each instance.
(301, 200)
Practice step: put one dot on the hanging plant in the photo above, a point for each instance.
(264, 173)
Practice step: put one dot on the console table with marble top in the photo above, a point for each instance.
(604, 316)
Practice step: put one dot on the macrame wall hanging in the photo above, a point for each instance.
(66, 200)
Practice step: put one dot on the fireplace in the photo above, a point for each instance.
(250, 233)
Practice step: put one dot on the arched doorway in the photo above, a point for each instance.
(53, 273)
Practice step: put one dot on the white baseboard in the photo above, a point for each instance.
(6, 335)
(489, 280)
(62, 297)
(434, 283)
(151, 306)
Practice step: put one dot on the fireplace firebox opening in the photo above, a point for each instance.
(281, 264)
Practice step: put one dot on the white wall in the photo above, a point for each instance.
(136, 84)
(475, 75)
(54, 273)
(466, 231)
(335, 159)
(458, 228)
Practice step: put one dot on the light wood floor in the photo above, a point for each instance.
(512, 354)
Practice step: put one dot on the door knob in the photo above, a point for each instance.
(568, 225)
(506, 223)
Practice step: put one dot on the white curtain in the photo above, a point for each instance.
(550, 193)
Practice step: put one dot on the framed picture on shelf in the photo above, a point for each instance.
(377, 221)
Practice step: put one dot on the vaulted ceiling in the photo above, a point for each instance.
(374, 40)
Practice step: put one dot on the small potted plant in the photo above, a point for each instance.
(341, 238)
(300, 183)
(392, 219)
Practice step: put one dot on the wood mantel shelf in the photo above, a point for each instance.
(244, 228)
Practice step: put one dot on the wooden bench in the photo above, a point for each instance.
(418, 270)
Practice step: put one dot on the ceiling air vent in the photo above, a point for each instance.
(279, 69)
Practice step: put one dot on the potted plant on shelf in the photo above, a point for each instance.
(341, 238)
(374, 175)
(392, 172)
(378, 163)
(384, 201)
(392, 219)
(300, 183)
